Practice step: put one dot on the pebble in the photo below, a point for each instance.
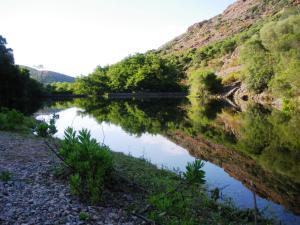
(35, 196)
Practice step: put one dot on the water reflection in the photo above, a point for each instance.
(258, 148)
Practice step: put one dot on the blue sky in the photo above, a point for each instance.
(74, 36)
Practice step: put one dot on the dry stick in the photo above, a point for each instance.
(144, 218)
(57, 155)
(146, 209)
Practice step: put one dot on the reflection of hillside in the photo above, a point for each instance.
(260, 147)
(267, 185)
(54, 107)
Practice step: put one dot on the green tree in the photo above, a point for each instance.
(203, 83)
(17, 89)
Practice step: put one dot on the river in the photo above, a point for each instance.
(252, 156)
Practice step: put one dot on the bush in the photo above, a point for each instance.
(44, 129)
(203, 83)
(176, 205)
(91, 164)
(258, 65)
(272, 58)
(83, 216)
(12, 120)
(194, 173)
(5, 176)
(232, 77)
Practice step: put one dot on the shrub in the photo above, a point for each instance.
(232, 77)
(91, 164)
(272, 58)
(258, 65)
(83, 216)
(176, 205)
(194, 173)
(203, 83)
(5, 176)
(12, 120)
(44, 129)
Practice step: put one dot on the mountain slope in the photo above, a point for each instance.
(47, 77)
(236, 18)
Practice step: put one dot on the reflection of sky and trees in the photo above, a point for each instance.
(267, 140)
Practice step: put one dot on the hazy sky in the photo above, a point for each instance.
(74, 36)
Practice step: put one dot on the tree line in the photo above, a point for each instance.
(17, 89)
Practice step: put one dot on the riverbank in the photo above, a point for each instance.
(38, 193)
(33, 195)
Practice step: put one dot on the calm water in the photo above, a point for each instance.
(149, 129)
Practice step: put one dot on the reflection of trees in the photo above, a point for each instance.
(202, 117)
(136, 117)
(272, 137)
(269, 137)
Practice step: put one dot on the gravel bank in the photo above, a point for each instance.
(35, 196)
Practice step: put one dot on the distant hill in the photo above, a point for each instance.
(47, 77)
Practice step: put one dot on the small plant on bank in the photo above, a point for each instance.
(176, 205)
(44, 129)
(90, 162)
(83, 216)
(5, 176)
(194, 173)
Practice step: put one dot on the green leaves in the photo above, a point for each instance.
(194, 173)
(272, 58)
(91, 163)
(44, 129)
(139, 72)
(203, 83)
(5, 176)
(17, 89)
(12, 120)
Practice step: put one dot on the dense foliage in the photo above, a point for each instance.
(61, 88)
(273, 138)
(203, 83)
(136, 73)
(12, 120)
(272, 57)
(90, 163)
(17, 89)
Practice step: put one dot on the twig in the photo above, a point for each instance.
(225, 186)
(144, 218)
(146, 209)
(57, 155)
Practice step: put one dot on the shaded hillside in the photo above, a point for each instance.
(47, 77)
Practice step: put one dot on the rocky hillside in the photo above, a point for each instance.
(221, 45)
(47, 77)
(237, 17)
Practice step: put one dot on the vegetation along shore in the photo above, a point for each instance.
(226, 94)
